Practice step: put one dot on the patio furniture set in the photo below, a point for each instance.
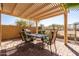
(27, 36)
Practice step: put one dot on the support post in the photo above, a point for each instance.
(75, 32)
(65, 27)
(0, 26)
(36, 27)
(0, 29)
(65, 23)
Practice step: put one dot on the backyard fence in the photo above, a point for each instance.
(11, 32)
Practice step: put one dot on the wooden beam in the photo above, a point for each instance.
(53, 8)
(49, 13)
(42, 5)
(8, 7)
(43, 10)
(38, 11)
(14, 8)
(27, 9)
(52, 15)
(33, 9)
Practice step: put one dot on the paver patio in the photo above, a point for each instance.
(18, 47)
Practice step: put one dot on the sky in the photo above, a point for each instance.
(73, 16)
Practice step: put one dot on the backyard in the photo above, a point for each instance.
(24, 33)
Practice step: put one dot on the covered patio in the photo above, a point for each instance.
(38, 12)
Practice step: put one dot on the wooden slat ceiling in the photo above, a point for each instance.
(33, 11)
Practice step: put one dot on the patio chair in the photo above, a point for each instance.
(52, 38)
(24, 35)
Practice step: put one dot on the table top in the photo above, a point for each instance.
(37, 35)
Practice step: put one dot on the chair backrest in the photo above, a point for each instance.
(48, 33)
(52, 35)
(23, 34)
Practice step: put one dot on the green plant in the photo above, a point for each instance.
(72, 5)
(21, 23)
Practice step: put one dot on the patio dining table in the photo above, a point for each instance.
(42, 36)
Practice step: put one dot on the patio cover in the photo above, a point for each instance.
(32, 11)
(36, 12)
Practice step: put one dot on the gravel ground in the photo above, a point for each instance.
(19, 48)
